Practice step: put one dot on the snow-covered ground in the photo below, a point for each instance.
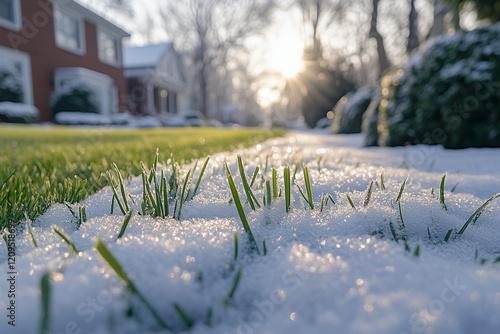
(336, 271)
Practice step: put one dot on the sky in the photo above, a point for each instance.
(279, 49)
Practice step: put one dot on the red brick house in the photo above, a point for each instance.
(52, 42)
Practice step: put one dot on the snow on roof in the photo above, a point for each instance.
(92, 16)
(144, 56)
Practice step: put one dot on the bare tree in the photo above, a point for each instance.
(318, 15)
(438, 24)
(147, 28)
(121, 6)
(212, 33)
(413, 41)
(383, 60)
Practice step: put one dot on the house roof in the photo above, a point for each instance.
(91, 16)
(144, 56)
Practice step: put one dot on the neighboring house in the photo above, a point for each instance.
(50, 43)
(156, 79)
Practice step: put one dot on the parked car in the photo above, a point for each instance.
(214, 123)
(172, 120)
(193, 118)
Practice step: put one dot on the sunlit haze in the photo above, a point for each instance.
(286, 57)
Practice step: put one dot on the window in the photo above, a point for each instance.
(10, 14)
(106, 93)
(19, 63)
(69, 32)
(108, 48)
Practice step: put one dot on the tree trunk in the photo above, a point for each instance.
(383, 60)
(413, 41)
(204, 89)
(456, 15)
(440, 11)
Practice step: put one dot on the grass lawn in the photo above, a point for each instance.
(58, 164)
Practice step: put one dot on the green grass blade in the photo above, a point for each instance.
(269, 193)
(447, 237)
(401, 190)
(401, 215)
(475, 216)
(148, 188)
(319, 163)
(113, 263)
(296, 169)
(382, 185)
(71, 210)
(331, 199)
(183, 194)
(7, 179)
(128, 216)
(115, 193)
(77, 187)
(241, 212)
(264, 247)
(229, 298)
(350, 201)
(66, 239)
(441, 193)
(166, 208)
(275, 183)
(235, 245)
(155, 165)
(144, 205)
(82, 215)
(122, 187)
(393, 231)
(113, 204)
(286, 177)
(201, 175)
(302, 193)
(308, 188)
(189, 323)
(32, 236)
(159, 207)
(417, 251)
(45, 317)
(324, 200)
(252, 200)
(118, 269)
(368, 195)
(254, 177)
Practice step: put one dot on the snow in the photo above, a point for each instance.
(351, 108)
(9, 78)
(18, 110)
(82, 118)
(123, 119)
(339, 270)
(144, 56)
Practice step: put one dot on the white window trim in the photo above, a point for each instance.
(25, 60)
(79, 51)
(117, 63)
(107, 103)
(17, 24)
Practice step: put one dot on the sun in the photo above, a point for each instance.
(286, 57)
